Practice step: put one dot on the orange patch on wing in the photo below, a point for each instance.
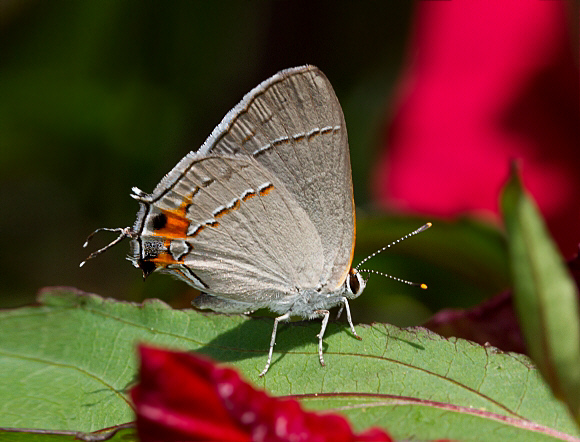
(165, 258)
(227, 210)
(348, 269)
(197, 231)
(248, 195)
(177, 223)
(213, 224)
(266, 190)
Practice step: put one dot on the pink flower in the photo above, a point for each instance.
(184, 397)
(487, 82)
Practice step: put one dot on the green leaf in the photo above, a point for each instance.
(545, 294)
(67, 364)
(110, 435)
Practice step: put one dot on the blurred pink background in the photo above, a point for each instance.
(486, 83)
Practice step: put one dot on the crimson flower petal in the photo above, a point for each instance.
(185, 397)
(174, 402)
(487, 82)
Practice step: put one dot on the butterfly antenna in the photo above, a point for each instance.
(408, 235)
(126, 232)
(414, 284)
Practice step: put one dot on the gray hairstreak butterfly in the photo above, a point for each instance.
(262, 215)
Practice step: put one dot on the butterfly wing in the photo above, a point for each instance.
(229, 227)
(293, 125)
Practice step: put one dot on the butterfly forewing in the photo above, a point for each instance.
(231, 228)
(293, 125)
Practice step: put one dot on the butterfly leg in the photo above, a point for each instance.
(340, 311)
(284, 317)
(348, 317)
(325, 314)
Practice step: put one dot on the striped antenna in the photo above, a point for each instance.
(414, 284)
(408, 235)
(125, 232)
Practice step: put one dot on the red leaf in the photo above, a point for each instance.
(493, 321)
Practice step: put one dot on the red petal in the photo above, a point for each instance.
(184, 397)
(373, 435)
(175, 401)
(475, 95)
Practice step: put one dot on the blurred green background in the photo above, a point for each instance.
(97, 97)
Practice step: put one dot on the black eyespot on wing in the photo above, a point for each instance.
(147, 267)
(159, 221)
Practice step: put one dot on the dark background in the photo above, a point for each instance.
(97, 97)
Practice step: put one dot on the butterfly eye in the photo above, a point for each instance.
(354, 283)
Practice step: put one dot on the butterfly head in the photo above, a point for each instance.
(354, 284)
